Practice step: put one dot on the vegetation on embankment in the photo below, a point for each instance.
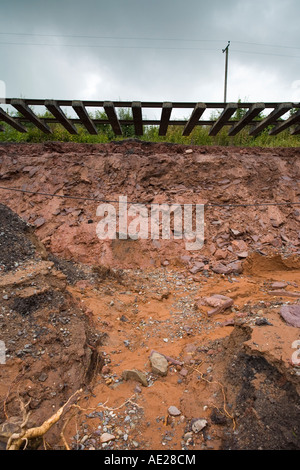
(199, 136)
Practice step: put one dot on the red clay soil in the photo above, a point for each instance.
(78, 313)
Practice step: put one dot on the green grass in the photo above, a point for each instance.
(199, 136)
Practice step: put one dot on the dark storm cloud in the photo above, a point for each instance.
(150, 49)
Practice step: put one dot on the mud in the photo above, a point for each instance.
(76, 312)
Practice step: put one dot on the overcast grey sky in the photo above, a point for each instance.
(154, 50)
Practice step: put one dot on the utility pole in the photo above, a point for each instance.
(226, 70)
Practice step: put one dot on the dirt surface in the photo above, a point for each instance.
(80, 313)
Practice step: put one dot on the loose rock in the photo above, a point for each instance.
(135, 375)
(198, 424)
(159, 364)
(106, 437)
(220, 302)
(279, 285)
(291, 314)
(174, 411)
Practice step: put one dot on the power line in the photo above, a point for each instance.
(122, 38)
(212, 204)
(135, 38)
(104, 46)
(266, 53)
(108, 46)
(277, 46)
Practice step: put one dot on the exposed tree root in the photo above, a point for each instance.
(17, 440)
(223, 393)
(20, 440)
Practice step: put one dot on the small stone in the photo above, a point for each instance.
(235, 232)
(188, 330)
(123, 318)
(220, 254)
(187, 436)
(279, 285)
(235, 267)
(220, 268)
(219, 302)
(224, 181)
(198, 266)
(239, 245)
(135, 375)
(174, 411)
(276, 216)
(291, 314)
(159, 364)
(85, 438)
(106, 437)
(262, 322)
(43, 377)
(39, 222)
(198, 424)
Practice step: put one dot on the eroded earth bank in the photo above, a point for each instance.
(145, 344)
